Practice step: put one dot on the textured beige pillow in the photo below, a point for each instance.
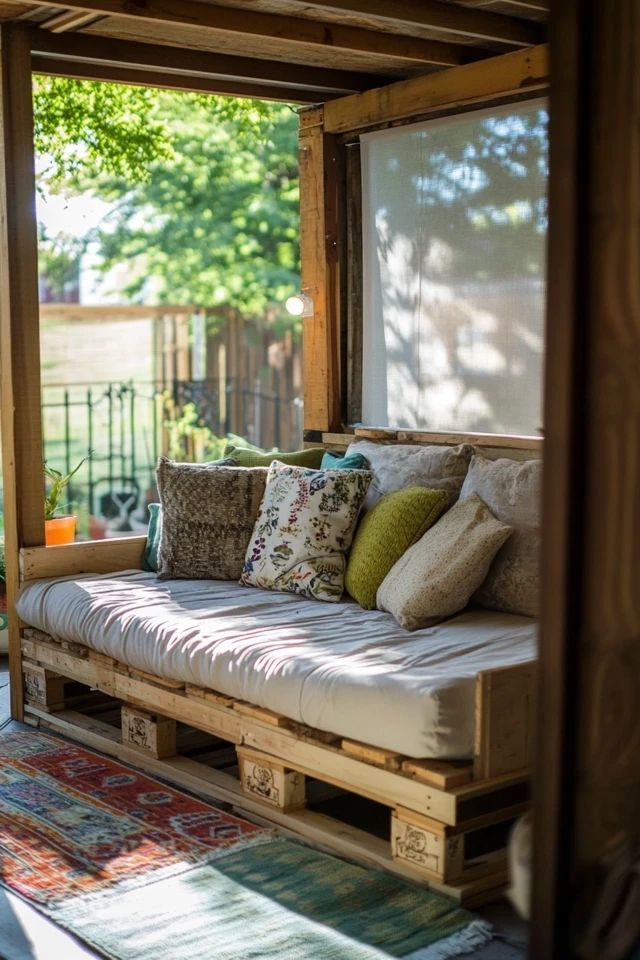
(437, 575)
(512, 491)
(398, 465)
(208, 514)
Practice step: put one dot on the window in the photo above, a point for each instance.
(454, 228)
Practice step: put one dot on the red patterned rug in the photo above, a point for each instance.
(75, 823)
(143, 872)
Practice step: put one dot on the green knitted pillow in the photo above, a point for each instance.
(312, 457)
(396, 521)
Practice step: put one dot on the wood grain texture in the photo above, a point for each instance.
(588, 795)
(51, 66)
(608, 770)
(446, 17)
(504, 720)
(187, 63)
(95, 556)
(519, 72)
(212, 20)
(319, 269)
(21, 420)
(353, 276)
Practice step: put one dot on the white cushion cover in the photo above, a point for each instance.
(512, 491)
(333, 666)
(399, 465)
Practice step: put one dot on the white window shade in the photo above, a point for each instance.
(454, 228)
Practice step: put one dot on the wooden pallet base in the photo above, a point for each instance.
(445, 830)
(317, 828)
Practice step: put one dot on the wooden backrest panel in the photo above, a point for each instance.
(95, 556)
(490, 445)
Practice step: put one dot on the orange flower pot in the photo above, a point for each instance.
(59, 530)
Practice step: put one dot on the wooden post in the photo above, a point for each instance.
(320, 274)
(587, 789)
(20, 413)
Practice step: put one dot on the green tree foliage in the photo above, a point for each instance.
(204, 189)
(97, 129)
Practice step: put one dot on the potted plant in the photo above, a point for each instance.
(58, 530)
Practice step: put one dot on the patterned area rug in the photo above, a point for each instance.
(141, 871)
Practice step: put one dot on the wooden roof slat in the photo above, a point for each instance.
(84, 49)
(451, 18)
(289, 29)
(68, 20)
(195, 84)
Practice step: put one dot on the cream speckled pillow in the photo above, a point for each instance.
(437, 575)
(512, 491)
(208, 513)
(398, 465)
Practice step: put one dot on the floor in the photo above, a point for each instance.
(26, 934)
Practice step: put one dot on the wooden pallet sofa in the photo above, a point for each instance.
(448, 820)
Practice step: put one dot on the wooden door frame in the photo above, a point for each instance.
(589, 646)
(587, 788)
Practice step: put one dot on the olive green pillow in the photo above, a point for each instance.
(396, 521)
(311, 458)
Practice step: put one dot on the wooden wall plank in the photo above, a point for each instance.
(72, 559)
(182, 63)
(494, 78)
(19, 326)
(319, 273)
(290, 31)
(588, 776)
(353, 282)
(445, 17)
(52, 66)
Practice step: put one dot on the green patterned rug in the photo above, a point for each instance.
(142, 871)
(275, 900)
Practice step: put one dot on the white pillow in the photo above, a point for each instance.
(512, 491)
(304, 529)
(398, 465)
(435, 577)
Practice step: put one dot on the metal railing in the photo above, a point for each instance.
(127, 425)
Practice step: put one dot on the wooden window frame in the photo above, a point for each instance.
(331, 251)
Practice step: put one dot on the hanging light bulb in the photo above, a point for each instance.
(299, 305)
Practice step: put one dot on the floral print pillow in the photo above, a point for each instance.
(304, 529)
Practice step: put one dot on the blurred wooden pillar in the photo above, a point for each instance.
(19, 327)
(587, 789)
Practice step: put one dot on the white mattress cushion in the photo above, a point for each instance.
(335, 667)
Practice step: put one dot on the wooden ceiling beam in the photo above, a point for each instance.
(153, 78)
(459, 21)
(84, 49)
(296, 31)
(520, 71)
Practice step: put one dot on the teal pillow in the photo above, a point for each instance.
(150, 556)
(244, 457)
(335, 461)
(396, 521)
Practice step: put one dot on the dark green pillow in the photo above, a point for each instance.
(396, 521)
(243, 457)
(335, 461)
